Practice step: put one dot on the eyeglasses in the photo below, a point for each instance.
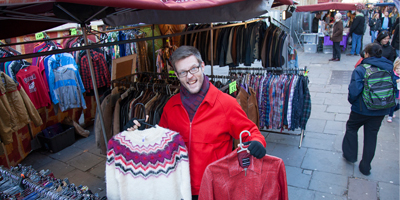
(192, 71)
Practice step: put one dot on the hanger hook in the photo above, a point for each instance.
(240, 139)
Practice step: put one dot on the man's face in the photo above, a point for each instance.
(192, 82)
(386, 14)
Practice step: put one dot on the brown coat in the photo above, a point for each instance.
(337, 33)
(248, 102)
(16, 109)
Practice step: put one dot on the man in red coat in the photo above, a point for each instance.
(207, 118)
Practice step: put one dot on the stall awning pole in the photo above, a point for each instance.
(96, 94)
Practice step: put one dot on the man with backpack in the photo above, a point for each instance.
(371, 95)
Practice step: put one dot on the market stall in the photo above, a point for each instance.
(322, 38)
(265, 5)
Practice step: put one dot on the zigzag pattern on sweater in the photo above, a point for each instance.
(147, 161)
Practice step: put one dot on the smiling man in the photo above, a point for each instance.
(207, 118)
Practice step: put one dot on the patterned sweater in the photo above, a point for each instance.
(148, 164)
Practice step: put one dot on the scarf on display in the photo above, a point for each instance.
(192, 101)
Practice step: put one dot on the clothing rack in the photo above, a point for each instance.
(271, 19)
(225, 77)
(296, 70)
(43, 191)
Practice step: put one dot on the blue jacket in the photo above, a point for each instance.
(357, 84)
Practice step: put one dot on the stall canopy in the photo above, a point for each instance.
(328, 6)
(22, 17)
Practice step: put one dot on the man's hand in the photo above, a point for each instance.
(133, 124)
(256, 149)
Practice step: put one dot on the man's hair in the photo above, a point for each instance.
(184, 52)
(359, 10)
(374, 50)
(376, 15)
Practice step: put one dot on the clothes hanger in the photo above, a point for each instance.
(241, 143)
(143, 121)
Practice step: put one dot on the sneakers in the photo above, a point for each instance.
(389, 119)
(349, 54)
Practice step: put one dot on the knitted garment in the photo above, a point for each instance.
(148, 164)
(192, 101)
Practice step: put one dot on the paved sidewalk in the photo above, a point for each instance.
(315, 171)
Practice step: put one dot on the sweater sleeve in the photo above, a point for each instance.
(111, 176)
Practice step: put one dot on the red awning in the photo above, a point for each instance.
(327, 6)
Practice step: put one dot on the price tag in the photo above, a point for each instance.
(73, 31)
(232, 87)
(172, 73)
(167, 40)
(39, 36)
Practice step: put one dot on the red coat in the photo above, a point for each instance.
(209, 136)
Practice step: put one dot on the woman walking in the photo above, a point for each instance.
(374, 26)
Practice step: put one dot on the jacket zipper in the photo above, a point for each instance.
(190, 126)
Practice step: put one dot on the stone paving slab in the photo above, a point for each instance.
(326, 161)
(37, 160)
(99, 170)
(67, 153)
(85, 161)
(338, 101)
(291, 155)
(329, 183)
(95, 184)
(341, 117)
(325, 196)
(283, 139)
(295, 193)
(296, 178)
(335, 125)
(58, 168)
(316, 125)
(382, 170)
(317, 101)
(322, 115)
(324, 142)
(338, 109)
(360, 189)
(388, 191)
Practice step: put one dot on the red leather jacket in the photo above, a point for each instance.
(209, 136)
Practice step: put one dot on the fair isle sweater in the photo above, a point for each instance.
(148, 164)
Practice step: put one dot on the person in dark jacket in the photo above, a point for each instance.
(356, 32)
(387, 50)
(315, 21)
(337, 36)
(360, 115)
(374, 26)
(396, 38)
(386, 22)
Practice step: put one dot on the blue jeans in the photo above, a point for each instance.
(355, 44)
(374, 34)
(397, 53)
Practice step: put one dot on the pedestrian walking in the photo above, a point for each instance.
(396, 71)
(337, 37)
(386, 22)
(356, 32)
(360, 114)
(387, 50)
(374, 26)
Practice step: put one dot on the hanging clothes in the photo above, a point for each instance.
(64, 80)
(148, 164)
(32, 82)
(100, 68)
(284, 100)
(16, 109)
(241, 176)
